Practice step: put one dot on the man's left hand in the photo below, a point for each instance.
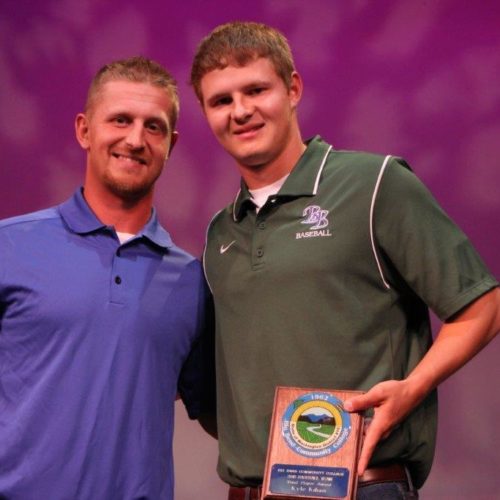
(391, 401)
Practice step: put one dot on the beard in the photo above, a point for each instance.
(131, 190)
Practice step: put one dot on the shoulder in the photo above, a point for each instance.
(367, 170)
(184, 262)
(363, 162)
(29, 219)
(355, 160)
(183, 256)
(25, 233)
(173, 254)
(355, 171)
(221, 218)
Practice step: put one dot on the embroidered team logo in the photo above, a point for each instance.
(314, 215)
(318, 220)
(316, 425)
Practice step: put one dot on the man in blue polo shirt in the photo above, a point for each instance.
(101, 315)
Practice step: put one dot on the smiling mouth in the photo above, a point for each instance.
(135, 159)
(248, 130)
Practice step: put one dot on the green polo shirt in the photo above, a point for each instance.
(328, 287)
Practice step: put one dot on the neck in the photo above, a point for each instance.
(257, 176)
(127, 216)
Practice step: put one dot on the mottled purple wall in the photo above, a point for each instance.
(420, 79)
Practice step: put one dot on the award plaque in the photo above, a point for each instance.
(314, 446)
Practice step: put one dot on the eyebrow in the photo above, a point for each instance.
(164, 122)
(245, 88)
(215, 97)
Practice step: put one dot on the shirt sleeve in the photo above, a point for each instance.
(196, 384)
(421, 245)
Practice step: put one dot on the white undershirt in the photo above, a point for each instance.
(260, 195)
(123, 237)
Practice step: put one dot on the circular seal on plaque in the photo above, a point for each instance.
(316, 424)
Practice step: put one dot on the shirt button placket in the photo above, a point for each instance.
(117, 284)
(258, 252)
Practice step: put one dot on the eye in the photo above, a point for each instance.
(256, 90)
(120, 120)
(156, 127)
(221, 101)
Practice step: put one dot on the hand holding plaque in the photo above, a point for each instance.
(314, 446)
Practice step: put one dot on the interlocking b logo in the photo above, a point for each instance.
(315, 215)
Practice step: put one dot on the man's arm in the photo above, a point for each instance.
(458, 340)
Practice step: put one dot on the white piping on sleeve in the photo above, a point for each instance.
(205, 250)
(316, 184)
(372, 207)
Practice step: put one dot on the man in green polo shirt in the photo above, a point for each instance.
(322, 270)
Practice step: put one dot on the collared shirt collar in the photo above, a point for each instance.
(81, 220)
(302, 181)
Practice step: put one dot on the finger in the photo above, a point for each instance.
(372, 437)
(363, 401)
(364, 458)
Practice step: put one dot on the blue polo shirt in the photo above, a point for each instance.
(96, 339)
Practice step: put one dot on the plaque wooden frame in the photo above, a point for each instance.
(292, 472)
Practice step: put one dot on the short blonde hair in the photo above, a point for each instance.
(136, 69)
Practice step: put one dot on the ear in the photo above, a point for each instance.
(82, 130)
(173, 141)
(295, 91)
(201, 102)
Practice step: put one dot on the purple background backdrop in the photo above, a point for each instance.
(420, 79)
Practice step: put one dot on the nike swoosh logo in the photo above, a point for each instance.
(224, 249)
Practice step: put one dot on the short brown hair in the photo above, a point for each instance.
(237, 43)
(140, 70)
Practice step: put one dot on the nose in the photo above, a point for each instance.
(242, 109)
(135, 136)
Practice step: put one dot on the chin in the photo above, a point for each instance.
(130, 191)
(255, 159)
